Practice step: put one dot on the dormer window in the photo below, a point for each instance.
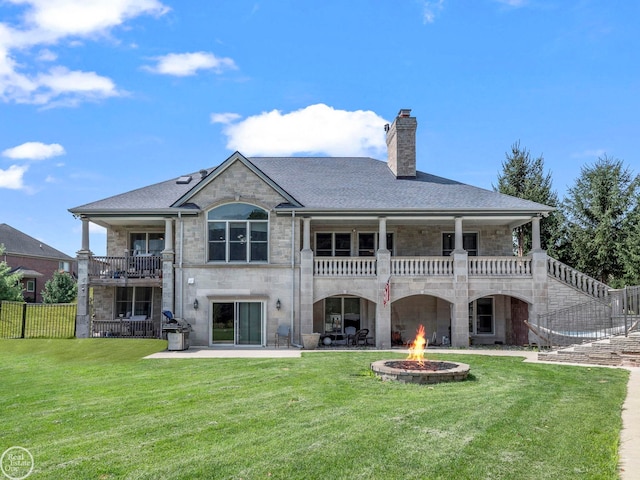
(238, 232)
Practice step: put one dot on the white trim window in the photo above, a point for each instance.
(333, 244)
(481, 318)
(238, 232)
(31, 286)
(469, 243)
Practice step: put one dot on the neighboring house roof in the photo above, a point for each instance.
(26, 272)
(326, 184)
(20, 244)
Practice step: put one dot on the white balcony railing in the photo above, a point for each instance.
(576, 279)
(499, 266)
(344, 267)
(421, 266)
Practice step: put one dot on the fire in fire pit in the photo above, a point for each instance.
(415, 369)
(417, 347)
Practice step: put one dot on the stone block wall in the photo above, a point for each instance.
(562, 295)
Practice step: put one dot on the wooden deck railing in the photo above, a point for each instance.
(134, 266)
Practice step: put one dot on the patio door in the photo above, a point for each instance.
(237, 323)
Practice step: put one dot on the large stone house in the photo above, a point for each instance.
(323, 245)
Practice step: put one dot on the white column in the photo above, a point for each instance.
(535, 234)
(168, 235)
(306, 233)
(382, 234)
(85, 235)
(458, 235)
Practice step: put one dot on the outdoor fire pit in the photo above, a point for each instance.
(415, 369)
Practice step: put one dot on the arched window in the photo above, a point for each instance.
(238, 232)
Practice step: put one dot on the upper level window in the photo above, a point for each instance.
(368, 244)
(469, 243)
(333, 244)
(238, 232)
(146, 243)
(64, 266)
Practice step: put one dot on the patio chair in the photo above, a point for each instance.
(283, 332)
(350, 332)
(360, 338)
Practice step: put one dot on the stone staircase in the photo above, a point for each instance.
(619, 351)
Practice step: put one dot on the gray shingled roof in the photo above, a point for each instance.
(336, 183)
(369, 184)
(18, 243)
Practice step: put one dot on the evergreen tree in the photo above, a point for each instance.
(630, 253)
(601, 220)
(61, 288)
(524, 177)
(10, 286)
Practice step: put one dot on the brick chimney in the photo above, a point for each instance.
(401, 144)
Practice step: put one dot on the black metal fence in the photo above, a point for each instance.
(617, 314)
(37, 320)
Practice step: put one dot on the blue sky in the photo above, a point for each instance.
(100, 97)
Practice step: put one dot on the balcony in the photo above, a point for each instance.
(423, 266)
(141, 269)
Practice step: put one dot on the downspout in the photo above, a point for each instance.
(293, 275)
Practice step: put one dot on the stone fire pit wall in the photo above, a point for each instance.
(440, 372)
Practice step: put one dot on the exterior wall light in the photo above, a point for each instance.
(195, 304)
(278, 304)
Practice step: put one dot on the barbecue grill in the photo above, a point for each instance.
(177, 331)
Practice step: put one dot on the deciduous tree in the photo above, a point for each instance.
(10, 286)
(61, 288)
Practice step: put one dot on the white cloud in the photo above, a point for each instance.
(55, 19)
(599, 152)
(430, 9)
(224, 118)
(46, 23)
(12, 177)
(71, 85)
(186, 64)
(93, 228)
(513, 3)
(46, 55)
(316, 129)
(34, 151)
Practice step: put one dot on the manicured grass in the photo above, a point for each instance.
(93, 409)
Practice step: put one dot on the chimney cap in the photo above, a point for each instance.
(404, 112)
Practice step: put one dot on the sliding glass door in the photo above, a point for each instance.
(237, 323)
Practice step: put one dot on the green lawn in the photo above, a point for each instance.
(93, 409)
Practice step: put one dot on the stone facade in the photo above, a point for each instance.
(290, 291)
